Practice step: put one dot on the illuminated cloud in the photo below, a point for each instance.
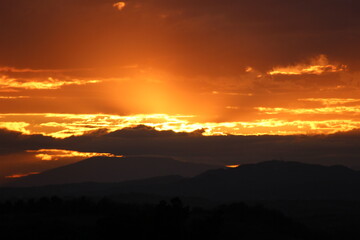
(81, 124)
(331, 101)
(119, 5)
(66, 125)
(56, 154)
(13, 97)
(279, 127)
(249, 69)
(317, 66)
(15, 126)
(21, 175)
(232, 93)
(29, 70)
(232, 166)
(50, 83)
(336, 148)
(323, 110)
(232, 107)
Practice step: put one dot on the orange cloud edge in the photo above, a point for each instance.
(15, 176)
(67, 125)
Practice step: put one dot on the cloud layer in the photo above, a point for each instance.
(335, 149)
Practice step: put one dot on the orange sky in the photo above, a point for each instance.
(313, 96)
(228, 67)
(120, 63)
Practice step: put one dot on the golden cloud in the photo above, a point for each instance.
(232, 166)
(21, 175)
(66, 125)
(317, 66)
(7, 69)
(28, 70)
(331, 101)
(56, 154)
(16, 126)
(323, 110)
(50, 83)
(13, 97)
(119, 5)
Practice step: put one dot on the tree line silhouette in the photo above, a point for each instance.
(85, 218)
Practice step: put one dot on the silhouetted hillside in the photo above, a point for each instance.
(127, 189)
(81, 218)
(325, 199)
(274, 180)
(106, 169)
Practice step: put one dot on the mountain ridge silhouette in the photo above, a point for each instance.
(270, 180)
(112, 169)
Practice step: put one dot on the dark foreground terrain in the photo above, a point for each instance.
(82, 218)
(269, 200)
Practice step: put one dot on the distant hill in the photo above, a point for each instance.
(112, 169)
(273, 180)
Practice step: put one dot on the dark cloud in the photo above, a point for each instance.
(142, 131)
(11, 142)
(197, 37)
(342, 148)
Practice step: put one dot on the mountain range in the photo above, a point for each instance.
(271, 180)
(112, 169)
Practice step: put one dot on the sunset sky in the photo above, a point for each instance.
(250, 68)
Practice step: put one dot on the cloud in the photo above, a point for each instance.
(354, 110)
(188, 37)
(317, 66)
(119, 5)
(56, 154)
(13, 141)
(65, 125)
(20, 175)
(150, 132)
(331, 101)
(324, 149)
(13, 97)
(15, 126)
(7, 69)
(341, 148)
(269, 121)
(50, 83)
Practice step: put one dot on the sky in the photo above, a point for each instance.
(255, 71)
